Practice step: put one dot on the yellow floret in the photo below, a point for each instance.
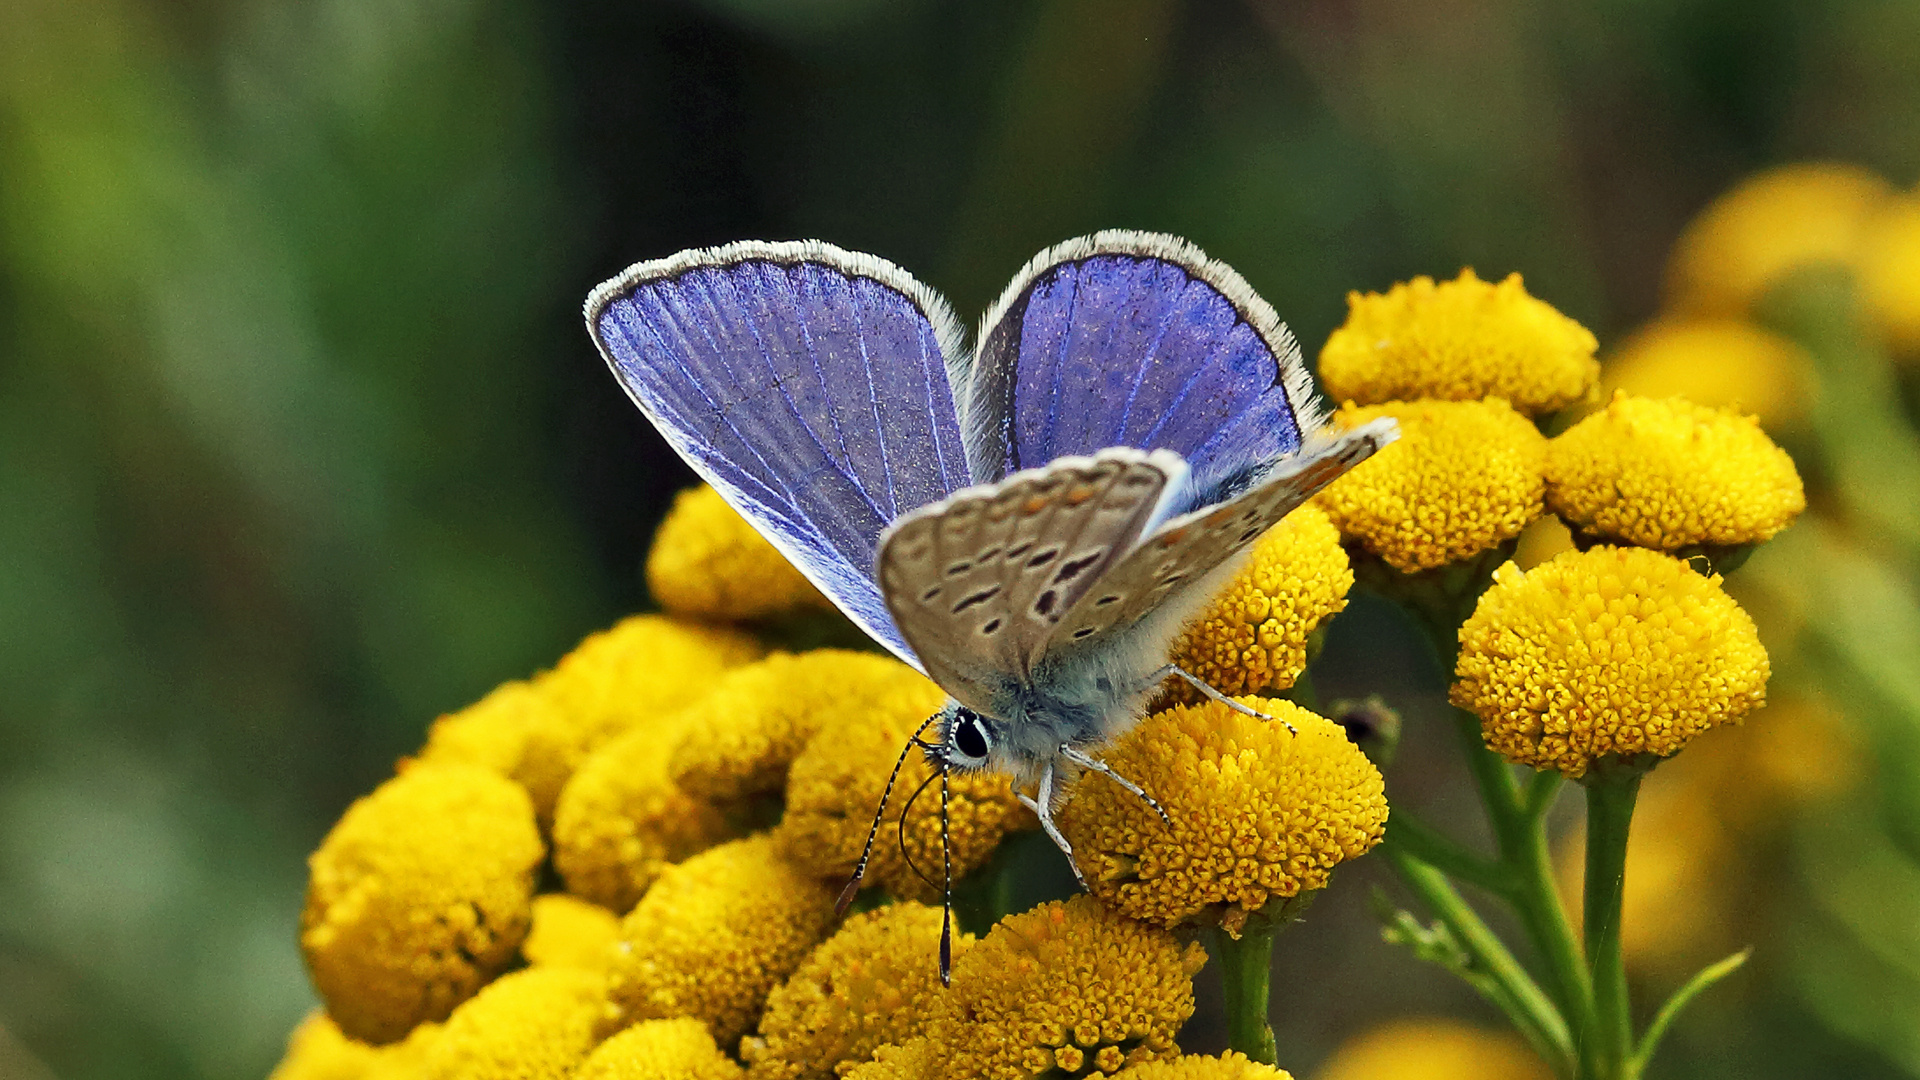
(1890, 273)
(1713, 361)
(679, 1049)
(714, 935)
(1610, 651)
(1434, 1050)
(1464, 476)
(1258, 812)
(536, 1024)
(744, 734)
(1774, 221)
(419, 895)
(492, 732)
(621, 819)
(1059, 987)
(1228, 1066)
(707, 562)
(1253, 637)
(835, 785)
(1456, 341)
(643, 668)
(872, 983)
(1670, 474)
(319, 1050)
(570, 932)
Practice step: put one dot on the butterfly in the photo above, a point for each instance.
(1029, 521)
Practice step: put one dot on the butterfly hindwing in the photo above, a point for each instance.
(977, 582)
(1133, 339)
(1174, 569)
(808, 384)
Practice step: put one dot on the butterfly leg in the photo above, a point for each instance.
(1200, 684)
(1106, 770)
(1043, 808)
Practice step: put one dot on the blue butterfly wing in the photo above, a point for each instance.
(1140, 340)
(806, 383)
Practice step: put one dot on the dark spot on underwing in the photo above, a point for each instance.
(1072, 567)
(1043, 558)
(980, 597)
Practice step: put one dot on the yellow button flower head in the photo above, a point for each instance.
(1434, 1050)
(872, 983)
(836, 782)
(1670, 474)
(1773, 222)
(1713, 361)
(1457, 341)
(319, 1050)
(621, 819)
(492, 732)
(536, 1024)
(1258, 813)
(1465, 476)
(570, 932)
(1608, 651)
(1064, 986)
(419, 895)
(1254, 635)
(643, 668)
(714, 935)
(708, 563)
(1228, 1066)
(745, 733)
(1890, 273)
(680, 1049)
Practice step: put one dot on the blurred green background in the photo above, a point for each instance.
(302, 444)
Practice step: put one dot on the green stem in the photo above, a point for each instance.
(1448, 855)
(1529, 1009)
(1681, 998)
(1246, 964)
(1610, 802)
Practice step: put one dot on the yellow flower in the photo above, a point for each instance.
(745, 733)
(319, 1050)
(679, 1049)
(1713, 361)
(1433, 1050)
(708, 563)
(643, 668)
(714, 935)
(1670, 474)
(492, 732)
(1890, 272)
(621, 820)
(1456, 341)
(419, 895)
(914, 1059)
(1774, 221)
(1464, 477)
(872, 983)
(1061, 987)
(1610, 651)
(570, 932)
(535, 1024)
(1228, 1066)
(1254, 635)
(1258, 812)
(836, 782)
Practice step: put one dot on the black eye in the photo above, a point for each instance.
(968, 736)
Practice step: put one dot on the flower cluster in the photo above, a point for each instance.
(702, 802)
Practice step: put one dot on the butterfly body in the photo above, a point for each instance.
(1030, 524)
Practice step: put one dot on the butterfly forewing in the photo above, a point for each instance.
(807, 384)
(977, 582)
(1164, 574)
